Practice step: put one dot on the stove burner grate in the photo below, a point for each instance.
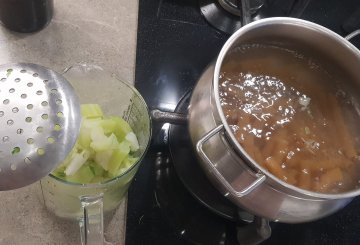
(249, 229)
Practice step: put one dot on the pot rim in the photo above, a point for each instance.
(243, 30)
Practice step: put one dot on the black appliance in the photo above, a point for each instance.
(167, 203)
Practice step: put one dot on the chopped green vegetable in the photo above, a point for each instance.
(60, 172)
(83, 175)
(118, 157)
(104, 150)
(108, 125)
(102, 158)
(96, 168)
(134, 144)
(91, 111)
(122, 128)
(100, 142)
(77, 160)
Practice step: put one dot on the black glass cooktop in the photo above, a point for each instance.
(175, 44)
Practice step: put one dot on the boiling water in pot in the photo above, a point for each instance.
(292, 116)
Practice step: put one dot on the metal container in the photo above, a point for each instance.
(235, 174)
(26, 15)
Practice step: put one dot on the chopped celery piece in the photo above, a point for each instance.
(102, 158)
(130, 161)
(105, 143)
(104, 149)
(96, 168)
(126, 164)
(122, 128)
(84, 137)
(90, 123)
(134, 144)
(118, 156)
(59, 172)
(97, 134)
(83, 175)
(91, 111)
(76, 162)
(108, 125)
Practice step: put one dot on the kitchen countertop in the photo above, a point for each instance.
(96, 32)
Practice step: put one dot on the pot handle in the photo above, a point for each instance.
(352, 35)
(168, 117)
(199, 148)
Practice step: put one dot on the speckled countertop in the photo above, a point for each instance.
(101, 32)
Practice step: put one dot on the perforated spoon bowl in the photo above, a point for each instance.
(39, 123)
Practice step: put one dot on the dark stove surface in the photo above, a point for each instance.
(175, 44)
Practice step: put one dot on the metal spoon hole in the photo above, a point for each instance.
(40, 151)
(8, 72)
(15, 151)
(27, 160)
(30, 141)
(6, 139)
(51, 140)
(57, 127)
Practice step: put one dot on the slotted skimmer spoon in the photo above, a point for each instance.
(39, 123)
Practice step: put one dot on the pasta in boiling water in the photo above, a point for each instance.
(292, 117)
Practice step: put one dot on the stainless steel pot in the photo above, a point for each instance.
(235, 174)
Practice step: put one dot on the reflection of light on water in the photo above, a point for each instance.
(265, 98)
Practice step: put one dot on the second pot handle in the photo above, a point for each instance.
(352, 35)
(219, 176)
(92, 223)
(168, 117)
